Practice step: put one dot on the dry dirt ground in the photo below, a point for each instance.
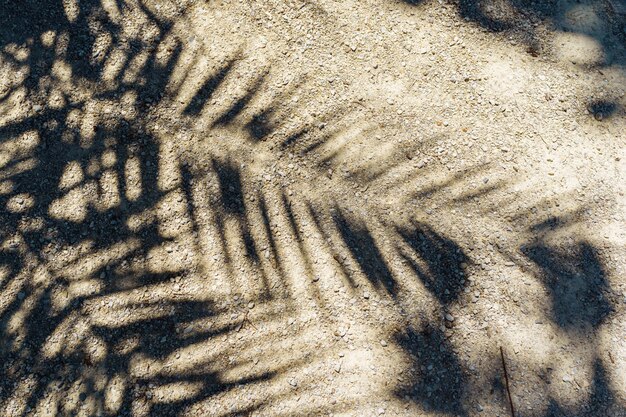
(312, 207)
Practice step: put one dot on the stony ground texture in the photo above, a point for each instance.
(312, 207)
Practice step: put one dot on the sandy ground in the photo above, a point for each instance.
(312, 207)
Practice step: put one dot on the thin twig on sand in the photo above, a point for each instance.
(506, 379)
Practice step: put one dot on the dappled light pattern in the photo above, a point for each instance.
(175, 237)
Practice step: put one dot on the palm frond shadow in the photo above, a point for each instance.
(106, 265)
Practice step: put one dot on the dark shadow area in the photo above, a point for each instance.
(600, 403)
(440, 269)
(232, 198)
(602, 109)
(575, 277)
(231, 191)
(439, 381)
(228, 117)
(359, 240)
(260, 125)
(204, 94)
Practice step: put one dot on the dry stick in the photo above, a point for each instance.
(506, 378)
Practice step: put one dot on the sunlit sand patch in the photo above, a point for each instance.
(135, 66)
(24, 144)
(101, 46)
(340, 139)
(113, 12)
(19, 52)
(72, 206)
(6, 187)
(133, 175)
(578, 48)
(18, 167)
(20, 203)
(115, 62)
(57, 342)
(89, 263)
(88, 124)
(93, 166)
(136, 222)
(506, 79)
(177, 391)
(169, 169)
(56, 100)
(85, 288)
(109, 196)
(173, 215)
(72, 176)
(189, 74)
(72, 9)
(160, 260)
(114, 393)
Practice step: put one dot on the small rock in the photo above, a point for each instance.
(449, 317)
(383, 343)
